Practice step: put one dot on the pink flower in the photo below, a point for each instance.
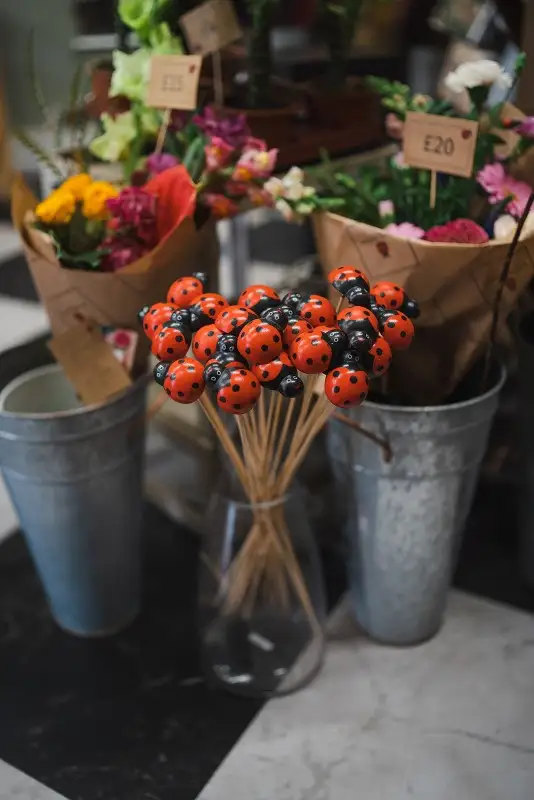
(499, 185)
(159, 162)
(251, 143)
(221, 206)
(405, 230)
(525, 128)
(218, 154)
(122, 253)
(132, 206)
(394, 126)
(459, 231)
(255, 164)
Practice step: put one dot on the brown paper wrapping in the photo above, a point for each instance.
(109, 298)
(455, 287)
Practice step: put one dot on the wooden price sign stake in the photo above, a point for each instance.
(209, 28)
(173, 84)
(439, 144)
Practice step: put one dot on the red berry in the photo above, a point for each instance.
(397, 330)
(205, 341)
(185, 291)
(259, 342)
(310, 353)
(170, 343)
(238, 390)
(156, 316)
(345, 386)
(185, 380)
(388, 294)
(318, 310)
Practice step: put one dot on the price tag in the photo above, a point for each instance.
(174, 82)
(89, 364)
(440, 144)
(211, 26)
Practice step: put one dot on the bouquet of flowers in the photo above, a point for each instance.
(451, 255)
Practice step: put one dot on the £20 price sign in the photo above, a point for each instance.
(440, 144)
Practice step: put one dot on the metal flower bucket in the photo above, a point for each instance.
(405, 517)
(75, 474)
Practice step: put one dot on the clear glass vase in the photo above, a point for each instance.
(262, 599)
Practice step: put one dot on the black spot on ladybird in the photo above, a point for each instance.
(170, 350)
(309, 361)
(253, 384)
(403, 334)
(324, 358)
(180, 394)
(276, 339)
(336, 373)
(336, 389)
(247, 350)
(211, 333)
(195, 385)
(179, 338)
(235, 388)
(322, 319)
(391, 324)
(237, 405)
(222, 399)
(379, 351)
(354, 379)
(307, 314)
(265, 347)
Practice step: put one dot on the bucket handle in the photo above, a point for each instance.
(383, 443)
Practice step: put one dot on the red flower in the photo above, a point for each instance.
(459, 231)
(176, 195)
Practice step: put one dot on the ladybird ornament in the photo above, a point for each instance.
(259, 298)
(357, 318)
(154, 317)
(397, 329)
(377, 360)
(184, 381)
(238, 390)
(346, 386)
(205, 342)
(280, 375)
(205, 309)
(260, 342)
(317, 310)
(276, 317)
(186, 291)
(352, 284)
(310, 353)
(234, 318)
(171, 342)
(295, 327)
(388, 295)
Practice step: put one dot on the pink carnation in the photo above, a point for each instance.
(405, 229)
(122, 253)
(459, 231)
(499, 185)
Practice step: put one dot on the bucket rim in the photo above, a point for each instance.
(142, 381)
(495, 389)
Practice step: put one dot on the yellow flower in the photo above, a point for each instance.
(95, 199)
(77, 184)
(57, 209)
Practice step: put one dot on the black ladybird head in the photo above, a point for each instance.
(360, 341)
(275, 317)
(352, 358)
(198, 318)
(291, 386)
(179, 327)
(212, 374)
(142, 314)
(411, 308)
(227, 343)
(203, 278)
(358, 297)
(337, 340)
(293, 299)
(183, 316)
(344, 285)
(160, 371)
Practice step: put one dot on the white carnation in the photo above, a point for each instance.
(477, 73)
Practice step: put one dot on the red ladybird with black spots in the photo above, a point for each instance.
(346, 386)
(357, 318)
(341, 274)
(280, 375)
(397, 329)
(260, 342)
(259, 298)
(184, 381)
(205, 342)
(206, 309)
(185, 291)
(237, 390)
(234, 318)
(155, 316)
(378, 358)
(388, 295)
(171, 342)
(310, 353)
(295, 327)
(317, 310)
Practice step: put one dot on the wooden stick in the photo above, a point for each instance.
(156, 406)
(218, 84)
(383, 443)
(162, 133)
(290, 407)
(225, 440)
(433, 188)
(500, 288)
(292, 466)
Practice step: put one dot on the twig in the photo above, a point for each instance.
(383, 443)
(498, 297)
(162, 133)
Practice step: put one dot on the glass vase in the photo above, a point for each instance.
(262, 599)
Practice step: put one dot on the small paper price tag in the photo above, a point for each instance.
(89, 364)
(174, 82)
(211, 26)
(440, 144)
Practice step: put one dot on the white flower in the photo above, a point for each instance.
(505, 227)
(290, 187)
(274, 187)
(293, 176)
(283, 207)
(477, 73)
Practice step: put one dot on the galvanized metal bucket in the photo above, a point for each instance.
(525, 338)
(405, 517)
(74, 474)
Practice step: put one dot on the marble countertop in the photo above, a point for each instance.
(453, 718)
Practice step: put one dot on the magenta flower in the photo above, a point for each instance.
(499, 185)
(122, 253)
(459, 231)
(132, 206)
(159, 162)
(233, 129)
(405, 230)
(525, 128)
(218, 153)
